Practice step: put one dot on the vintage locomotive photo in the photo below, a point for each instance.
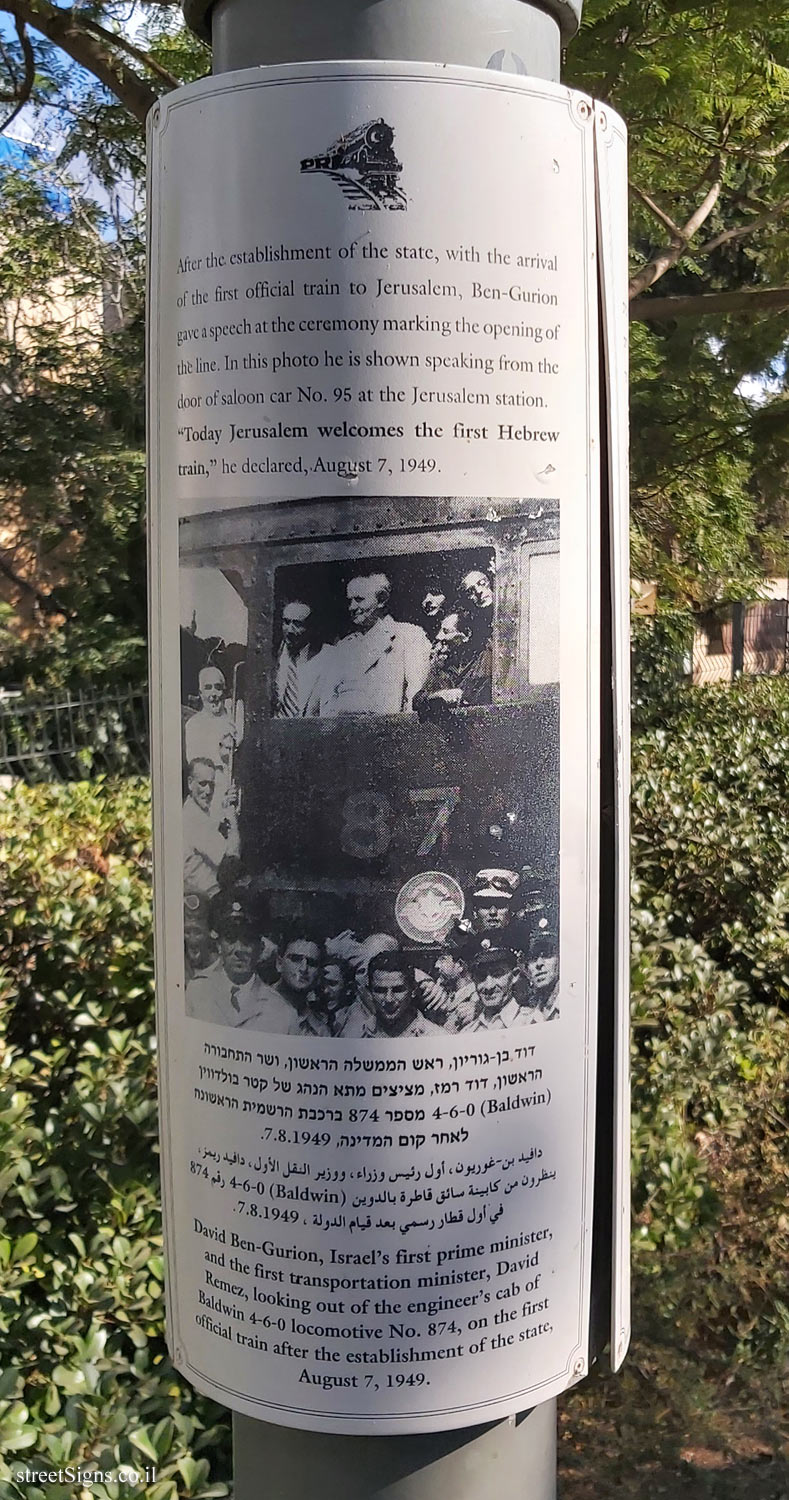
(370, 742)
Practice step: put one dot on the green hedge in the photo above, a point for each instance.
(711, 827)
(710, 981)
(710, 1154)
(86, 1378)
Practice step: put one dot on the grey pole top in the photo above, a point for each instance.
(205, 17)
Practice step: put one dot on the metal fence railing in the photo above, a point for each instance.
(742, 639)
(76, 735)
(719, 645)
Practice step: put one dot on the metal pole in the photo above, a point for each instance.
(737, 640)
(513, 1460)
(516, 1459)
(511, 35)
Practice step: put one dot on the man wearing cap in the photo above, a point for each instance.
(536, 900)
(491, 908)
(390, 977)
(200, 952)
(542, 977)
(494, 970)
(232, 992)
(492, 900)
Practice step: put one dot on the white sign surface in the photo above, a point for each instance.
(375, 523)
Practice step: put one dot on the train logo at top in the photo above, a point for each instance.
(364, 163)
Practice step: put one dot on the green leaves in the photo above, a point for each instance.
(86, 1376)
(20, 1251)
(703, 91)
(710, 835)
(85, 1373)
(140, 1440)
(71, 432)
(710, 959)
(16, 1430)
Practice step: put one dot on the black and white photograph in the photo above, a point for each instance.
(370, 751)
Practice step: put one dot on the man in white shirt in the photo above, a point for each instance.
(206, 840)
(375, 669)
(294, 675)
(232, 993)
(393, 993)
(213, 733)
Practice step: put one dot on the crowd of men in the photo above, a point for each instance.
(379, 665)
(496, 970)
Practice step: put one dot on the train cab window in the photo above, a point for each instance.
(321, 611)
(383, 633)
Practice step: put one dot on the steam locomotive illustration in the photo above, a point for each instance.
(364, 163)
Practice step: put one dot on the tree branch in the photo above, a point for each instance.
(654, 208)
(23, 90)
(658, 309)
(743, 230)
(65, 29)
(29, 64)
(147, 60)
(750, 153)
(47, 603)
(664, 259)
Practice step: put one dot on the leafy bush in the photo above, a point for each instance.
(86, 1378)
(710, 978)
(711, 1152)
(661, 655)
(710, 828)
